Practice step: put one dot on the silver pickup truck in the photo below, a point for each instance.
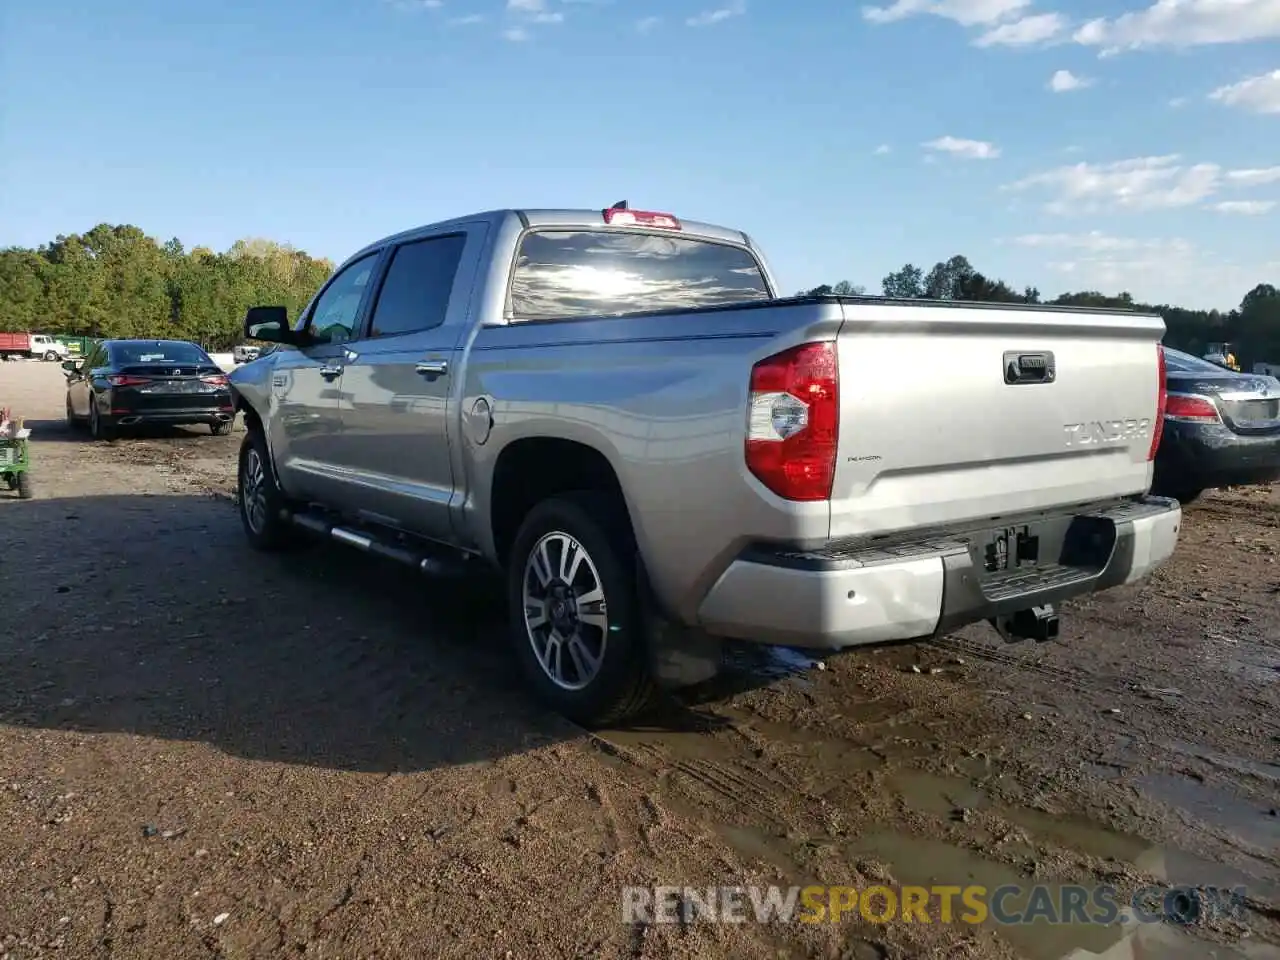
(615, 409)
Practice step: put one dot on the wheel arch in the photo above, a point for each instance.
(531, 469)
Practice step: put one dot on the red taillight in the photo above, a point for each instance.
(1181, 406)
(640, 218)
(124, 380)
(793, 419)
(1162, 398)
(215, 380)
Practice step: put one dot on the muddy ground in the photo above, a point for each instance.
(209, 752)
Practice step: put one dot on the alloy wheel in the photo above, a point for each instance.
(565, 613)
(253, 494)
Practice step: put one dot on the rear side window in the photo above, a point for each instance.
(562, 274)
(415, 294)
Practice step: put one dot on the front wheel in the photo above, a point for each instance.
(260, 499)
(576, 610)
(25, 489)
(51, 356)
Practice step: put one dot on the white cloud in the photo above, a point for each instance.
(1095, 241)
(1177, 102)
(526, 6)
(1153, 269)
(547, 18)
(409, 6)
(1249, 208)
(969, 13)
(1184, 23)
(516, 34)
(1260, 94)
(1064, 80)
(647, 24)
(881, 150)
(1140, 183)
(968, 149)
(467, 20)
(1256, 177)
(719, 15)
(1024, 32)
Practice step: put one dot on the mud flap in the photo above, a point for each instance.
(679, 656)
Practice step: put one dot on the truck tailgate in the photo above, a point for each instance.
(962, 412)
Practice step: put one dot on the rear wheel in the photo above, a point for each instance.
(1181, 491)
(51, 356)
(99, 428)
(1187, 495)
(576, 610)
(72, 420)
(25, 490)
(221, 428)
(260, 499)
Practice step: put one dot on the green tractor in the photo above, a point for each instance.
(15, 455)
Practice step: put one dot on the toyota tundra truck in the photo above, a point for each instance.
(616, 411)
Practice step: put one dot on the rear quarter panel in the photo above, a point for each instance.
(664, 398)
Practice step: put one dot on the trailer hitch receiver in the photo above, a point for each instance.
(1036, 623)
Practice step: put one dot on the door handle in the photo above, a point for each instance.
(433, 368)
(330, 372)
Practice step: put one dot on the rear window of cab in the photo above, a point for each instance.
(567, 274)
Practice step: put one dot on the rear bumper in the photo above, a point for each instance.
(126, 418)
(1211, 455)
(833, 600)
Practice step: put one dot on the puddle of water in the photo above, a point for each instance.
(768, 662)
(1258, 768)
(1241, 660)
(940, 796)
(1250, 823)
(917, 861)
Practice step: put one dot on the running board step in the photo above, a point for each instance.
(432, 564)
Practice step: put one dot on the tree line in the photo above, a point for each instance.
(115, 281)
(1252, 328)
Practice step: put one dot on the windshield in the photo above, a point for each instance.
(560, 274)
(160, 351)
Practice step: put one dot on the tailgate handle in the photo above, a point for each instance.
(1023, 367)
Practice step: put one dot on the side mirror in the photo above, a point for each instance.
(268, 323)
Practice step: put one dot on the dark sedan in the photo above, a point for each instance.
(125, 382)
(1220, 428)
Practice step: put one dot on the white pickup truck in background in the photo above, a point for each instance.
(616, 410)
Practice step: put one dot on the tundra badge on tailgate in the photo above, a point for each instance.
(1106, 431)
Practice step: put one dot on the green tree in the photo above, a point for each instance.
(116, 281)
(904, 284)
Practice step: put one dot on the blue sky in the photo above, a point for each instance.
(1106, 144)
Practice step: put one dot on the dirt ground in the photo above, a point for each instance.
(209, 752)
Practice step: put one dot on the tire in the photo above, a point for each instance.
(622, 685)
(50, 356)
(221, 428)
(256, 485)
(25, 490)
(73, 421)
(98, 429)
(1182, 492)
